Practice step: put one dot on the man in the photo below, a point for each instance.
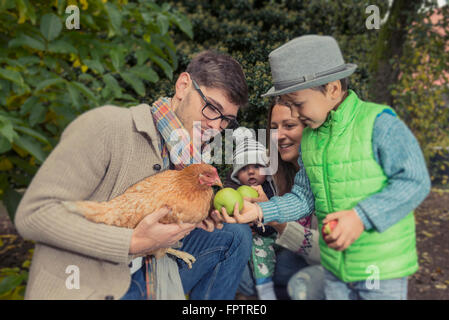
(100, 155)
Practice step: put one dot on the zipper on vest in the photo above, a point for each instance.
(325, 175)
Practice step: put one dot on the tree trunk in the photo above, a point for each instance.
(388, 49)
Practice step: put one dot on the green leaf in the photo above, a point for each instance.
(134, 82)
(26, 41)
(51, 26)
(21, 6)
(7, 129)
(37, 115)
(84, 90)
(7, 4)
(115, 17)
(11, 75)
(61, 46)
(5, 145)
(143, 55)
(144, 72)
(32, 133)
(9, 283)
(11, 200)
(116, 59)
(168, 70)
(163, 23)
(74, 95)
(31, 146)
(29, 60)
(48, 83)
(183, 23)
(30, 11)
(94, 65)
(28, 105)
(112, 84)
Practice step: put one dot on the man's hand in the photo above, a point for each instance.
(150, 235)
(251, 212)
(348, 229)
(210, 223)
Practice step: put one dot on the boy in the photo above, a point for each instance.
(366, 171)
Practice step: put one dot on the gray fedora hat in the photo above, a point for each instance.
(306, 62)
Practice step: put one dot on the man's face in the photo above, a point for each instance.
(190, 109)
(312, 106)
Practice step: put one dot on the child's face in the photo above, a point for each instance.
(312, 106)
(250, 175)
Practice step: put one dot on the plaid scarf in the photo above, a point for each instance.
(176, 144)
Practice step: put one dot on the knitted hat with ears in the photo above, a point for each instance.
(247, 151)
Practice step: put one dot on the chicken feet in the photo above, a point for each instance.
(186, 257)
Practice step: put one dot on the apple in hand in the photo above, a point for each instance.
(328, 227)
(227, 197)
(247, 192)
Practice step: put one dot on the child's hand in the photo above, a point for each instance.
(348, 229)
(262, 196)
(250, 212)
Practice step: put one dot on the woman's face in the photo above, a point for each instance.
(289, 133)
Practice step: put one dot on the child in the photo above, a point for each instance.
(366, 171)
(249, 156)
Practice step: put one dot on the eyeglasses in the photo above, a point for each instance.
(212, 113)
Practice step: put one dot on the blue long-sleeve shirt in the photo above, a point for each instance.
(397, 151)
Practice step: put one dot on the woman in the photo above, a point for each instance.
(298, 241)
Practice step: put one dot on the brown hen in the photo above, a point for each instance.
(187, 192)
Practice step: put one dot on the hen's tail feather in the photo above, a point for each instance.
(95, 211)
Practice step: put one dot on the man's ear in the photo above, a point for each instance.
(182, 86)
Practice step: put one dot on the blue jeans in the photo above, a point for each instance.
(287, 264)
(220, 256)
(307, 284)
(391, 289)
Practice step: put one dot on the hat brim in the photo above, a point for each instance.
(349, 69)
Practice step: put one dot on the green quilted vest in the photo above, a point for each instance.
(339, 161)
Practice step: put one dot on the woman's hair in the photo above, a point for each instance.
(217, 70)
(285, 175)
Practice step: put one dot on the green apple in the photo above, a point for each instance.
(247, 192)
(227, 197)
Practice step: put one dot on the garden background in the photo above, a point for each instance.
(130, 52)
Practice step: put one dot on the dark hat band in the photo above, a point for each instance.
(280, 85)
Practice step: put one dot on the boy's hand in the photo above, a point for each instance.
(348, 229)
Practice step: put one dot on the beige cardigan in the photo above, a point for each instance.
(100, 154)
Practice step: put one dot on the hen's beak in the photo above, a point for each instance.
(217, 182)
